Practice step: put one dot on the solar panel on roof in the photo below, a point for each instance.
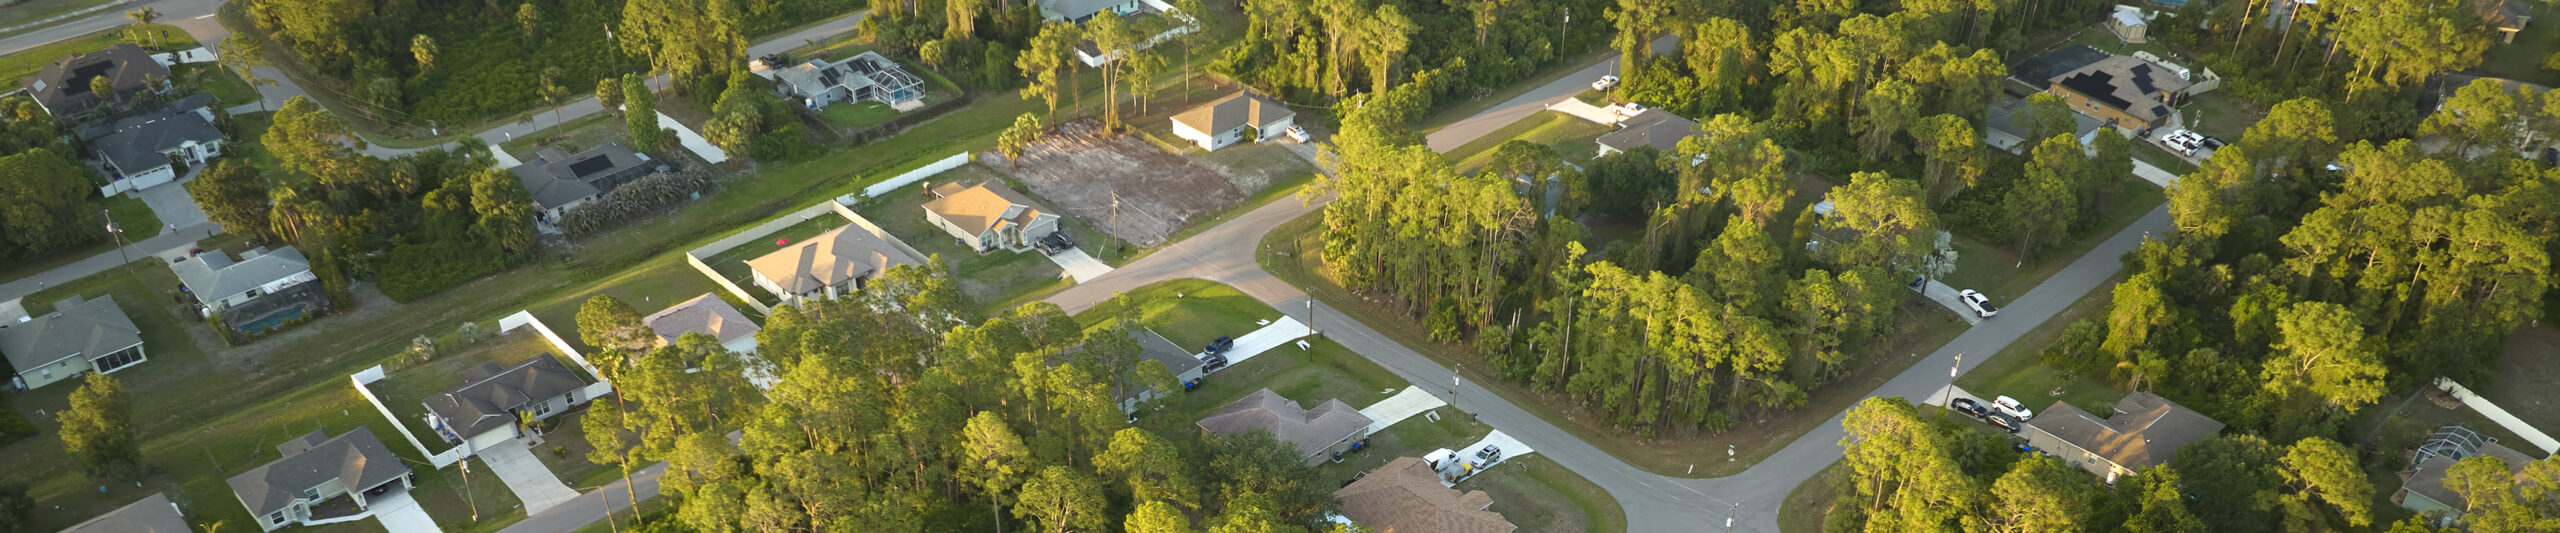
(590, 166)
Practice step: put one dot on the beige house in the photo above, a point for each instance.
(1225, 121)
(709, 315)
(833, 264)
(2145, 430)
(79, 336)
(2127, 92)
(2126, 22)
(1320, 434)
(1406, 496)
(988, 215)
(315, 469)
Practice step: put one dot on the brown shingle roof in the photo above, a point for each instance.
(1312, 430)
(2146, 429)
(706, 314)
(2128, 83)
(835, 256)
(1406, 496)
(983, 207)
(356, 459)
(63, 86)
(1239, 109)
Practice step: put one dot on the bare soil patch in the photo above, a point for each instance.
(1080, 171)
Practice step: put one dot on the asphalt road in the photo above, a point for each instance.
(1225, 254)
(1458, 133)
(171, 11)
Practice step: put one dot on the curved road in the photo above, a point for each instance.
(1653, 502)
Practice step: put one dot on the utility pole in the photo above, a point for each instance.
(1453, 386)
(466, 489)
(1311, 317)
(1115, 220)
(1947, 400)
(1560, 28)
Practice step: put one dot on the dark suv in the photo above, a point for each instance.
(1220, 346)
(1968, 407)
(2004, 422)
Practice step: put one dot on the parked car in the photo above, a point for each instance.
(2010, 406)
(1981, 304)
(2004, 422)
(1627, 109)
(1605, 83)
(1054, 243)
(1220, 346)
(2214, 143)
(1489, 452)
(1211, 362)
(1969, 407)
(1296, 132)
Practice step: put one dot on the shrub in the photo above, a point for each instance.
(634, 200)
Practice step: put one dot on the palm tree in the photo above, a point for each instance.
(141, 21)
(243, 54)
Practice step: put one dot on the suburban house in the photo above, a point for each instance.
(1223, 122)
(2002, 128)
(255, 293)
(2145, 430)
(988, 215)
(1656, 128)
(1078, 11)
(833, 264)
(869, 77)
(62, 87)
(706, 314)
(316, 469)
(78, 336)
(484, 411)
(2126, 22)
(2127, 92)
(2509, 17)
(559, 180)
(1320, 434)
(1183, 364)
(143, 151)
(1406, 496)
(2424, 489)
(155, 514)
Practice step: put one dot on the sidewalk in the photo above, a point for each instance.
(591, 507)
(136, 251)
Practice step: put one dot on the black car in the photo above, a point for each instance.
(2214, 143)
(1969, 407)
(1211, 362)
(2004, 422)
(1054, 243)
(1220, 346)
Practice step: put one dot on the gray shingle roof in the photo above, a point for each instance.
(2146, 429)
(1077, 9)
(87, 328)
(62, 87)
(1239, 109)
(1312, 430)
(488, 396)
(706, 314)
(214, 276)
(137, 143)
(151, 515)
(356, 459)
(1656, 128)
(555, 177)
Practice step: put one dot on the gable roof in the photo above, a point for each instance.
(151, 515)
(489, 395)
(62, 87)
(706, 314)
(2146, 429)
(1656, 128)
(91, 131)
(555, 177)
(853, 73)
(139, 142)
(356, 459)
(2127, 83)
(1239, 109)
(839, 254)
(1406, 496)
(1310, 429)
(983, 207)
(2428, 480)
(215, 276)
(86, 328)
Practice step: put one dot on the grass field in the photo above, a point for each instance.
(857, 115)
(1997, 271)
(2522, 59)
(31, 11)
(1569, 135)
(1804, 507)
(576, 135)
(27, 62)
(227, 87)
(2019, 372)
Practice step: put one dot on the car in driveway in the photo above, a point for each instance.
(2004, 422)
(1297, 133)
(1490, 452)
(1969, 407)
(1605, 83)
(1211, 362)
(1220, 346)
(2010, 406)
(1627, 109)
(1981, 304)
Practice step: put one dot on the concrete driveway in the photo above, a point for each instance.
(1079, 265)
(171, 202)
(1403, 405)
(399, 513)
(532, 482)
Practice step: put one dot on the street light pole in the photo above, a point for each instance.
(1454, 381)
(1947, 400)
(118, 232)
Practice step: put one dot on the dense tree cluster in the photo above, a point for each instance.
(47, 199)
(1315, 49)
(415, 224)
(895, 410)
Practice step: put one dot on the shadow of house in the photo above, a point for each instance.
(260, 291)
(558, 180)
(62, 87)
(316, 469)
(79, 336)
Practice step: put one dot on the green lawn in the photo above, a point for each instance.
(29, 12)
(134, 217)
(2522, 59)
(1568, 134)
(2160, 157)
(1996, 270)
(564, 450)
(1189, 312)
(25, 63)
(227, 87)
(2222, 115)
(992, 279)
(576, 135)
(1804, 507)
(858, 115)
(460, 502)
(2018, 371)
(250, 131)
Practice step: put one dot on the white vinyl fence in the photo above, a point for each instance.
(2500, 415)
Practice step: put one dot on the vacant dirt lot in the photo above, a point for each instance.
(1078, 170)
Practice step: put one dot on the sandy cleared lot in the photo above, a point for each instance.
(1078, 171)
